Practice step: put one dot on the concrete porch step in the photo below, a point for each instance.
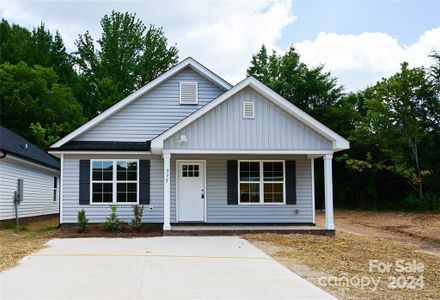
(201, 230)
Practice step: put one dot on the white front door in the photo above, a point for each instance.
(191, 191)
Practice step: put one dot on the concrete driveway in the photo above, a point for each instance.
(153, 268)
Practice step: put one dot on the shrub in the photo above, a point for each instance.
(113, 223)
(138, 212)
(82, 222)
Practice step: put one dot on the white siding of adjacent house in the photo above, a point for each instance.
(154, 112)
(224, 127)
(37, 189)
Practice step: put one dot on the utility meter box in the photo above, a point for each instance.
(19, 192)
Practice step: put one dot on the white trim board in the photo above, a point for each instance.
(338, 142)
(188, 62)
(264, 152)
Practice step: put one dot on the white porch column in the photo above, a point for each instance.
(166, 191)
(328, 188)
(61, 197)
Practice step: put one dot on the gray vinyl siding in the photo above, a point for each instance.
(154, 112)
(37, 189)
(216, 192)
(97, 213)
(218, 210)
(225, 128)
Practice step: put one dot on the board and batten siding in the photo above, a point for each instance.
(97, 213)
(154, 112)
(216, 193)
(37, 189)
(225, 128)
(218, 209)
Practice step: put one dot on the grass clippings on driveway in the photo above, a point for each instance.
(16, 243)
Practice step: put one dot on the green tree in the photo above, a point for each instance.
(34, 105)
(398, 120)
(39, 47)
(307, 88)
(129, 56)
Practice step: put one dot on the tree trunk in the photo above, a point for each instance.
(419, 177)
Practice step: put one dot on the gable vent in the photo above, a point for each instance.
(248, 110)
(188, 93)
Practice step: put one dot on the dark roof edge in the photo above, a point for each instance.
(103, 146)
(37, 162)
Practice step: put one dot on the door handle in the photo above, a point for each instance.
(203, 193)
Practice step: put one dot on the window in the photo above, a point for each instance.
(114, 181)
(188, 93)
(261, 182)
(190, 170)
(248, 110)
(55, 188)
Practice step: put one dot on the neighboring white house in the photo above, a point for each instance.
(194, 149)
(38, 171)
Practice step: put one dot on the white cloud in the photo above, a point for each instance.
(222, 35)
(359, 60)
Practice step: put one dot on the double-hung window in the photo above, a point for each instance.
(114, 181)
(261, 182)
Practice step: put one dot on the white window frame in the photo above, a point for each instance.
(114, 181)
(197, 92)
(244, 110)
(262, 182)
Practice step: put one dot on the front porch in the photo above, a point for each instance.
(231, 230)
(213, 213)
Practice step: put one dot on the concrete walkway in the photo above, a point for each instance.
(153, 268)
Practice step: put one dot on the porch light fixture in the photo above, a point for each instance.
(183, 139)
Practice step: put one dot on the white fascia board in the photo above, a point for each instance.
(338, 142)
(252, 152)
(130, 98)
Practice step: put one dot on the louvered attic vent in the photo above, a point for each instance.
(248, 110)
(188, 93)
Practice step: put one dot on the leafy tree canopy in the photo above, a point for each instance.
(34, 105)
(129, 56)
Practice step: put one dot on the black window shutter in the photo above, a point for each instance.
(232, 182)
(144, 182)
(84, 182)
(290, 182)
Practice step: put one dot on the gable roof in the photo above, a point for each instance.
(188, 62)
(338, 142)
(12, 143)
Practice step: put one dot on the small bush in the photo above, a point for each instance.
(136, 223)
(81, 224)
(113, 223)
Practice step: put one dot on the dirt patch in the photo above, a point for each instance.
(322, 259)
(360, 237)
(16, 243)
(422, 231)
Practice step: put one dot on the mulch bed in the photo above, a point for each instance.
(96, 230)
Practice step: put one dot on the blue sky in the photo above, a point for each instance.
(359, 42)
(404, 20)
